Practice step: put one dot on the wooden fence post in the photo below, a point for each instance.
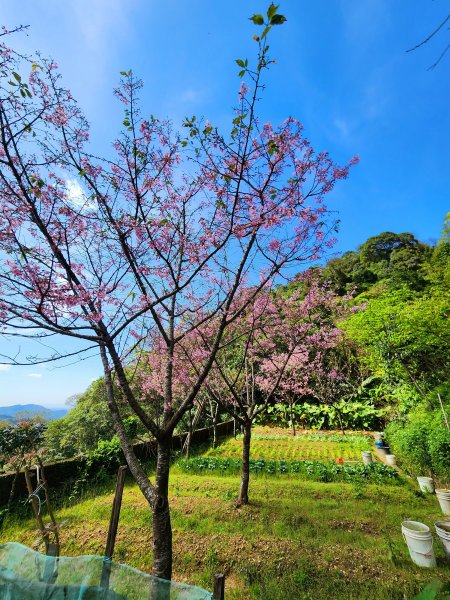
(219, 587)
(113, 524)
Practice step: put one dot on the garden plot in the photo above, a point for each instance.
(276, 444)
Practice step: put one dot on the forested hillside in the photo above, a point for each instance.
(403, 338)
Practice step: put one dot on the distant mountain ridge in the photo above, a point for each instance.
(17, 411)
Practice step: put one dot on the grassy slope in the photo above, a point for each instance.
(298, 539)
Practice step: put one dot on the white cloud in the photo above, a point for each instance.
(76, 196)
(35, 375)
(5, 367)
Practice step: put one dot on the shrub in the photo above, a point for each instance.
(422, 442)
(346, 414)
(105, 458)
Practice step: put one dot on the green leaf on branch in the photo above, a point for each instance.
(240, 62)
(17, 77)
(241, 73)
(257, 19)
(277, 20)
(272, 147)
(272, 10)
(265, 32)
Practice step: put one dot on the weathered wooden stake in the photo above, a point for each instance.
(44, 531)
(113, 524)
(54, 525)
(219, 587)
(51, 564)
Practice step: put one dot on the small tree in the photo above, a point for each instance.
(270, 353)
(151, 243)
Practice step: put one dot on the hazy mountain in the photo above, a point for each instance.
(18, 411)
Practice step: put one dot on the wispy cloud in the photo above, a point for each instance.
(5, 367)
(100, 27)
(96, 21)
(35, 375)
(343, 127)
(363, 20)
(191, 95)
(76, 196)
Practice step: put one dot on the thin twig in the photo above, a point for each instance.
(431, 35)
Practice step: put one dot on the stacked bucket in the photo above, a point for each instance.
(420, 543)
(418, 536)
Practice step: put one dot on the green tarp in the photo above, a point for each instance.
(29, 575)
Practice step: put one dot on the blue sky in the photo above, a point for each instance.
(341, 69)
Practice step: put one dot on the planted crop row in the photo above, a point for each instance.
(362, 442)
(351, 439)
(316, 470)
(279, 451)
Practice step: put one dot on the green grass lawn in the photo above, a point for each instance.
(297, 538)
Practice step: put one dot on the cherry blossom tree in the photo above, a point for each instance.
(151, 243)
(271, 352)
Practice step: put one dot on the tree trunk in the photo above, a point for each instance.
(214, 444)
(340, 422)
(162, 528)
(189, 436)
(292, 421)
(155, 495)
(245, 475)
(214, 413)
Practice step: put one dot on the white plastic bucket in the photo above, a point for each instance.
(444, 500)
(367, 457)
(443, 531)
(420, 543)
(426, 485)
(391, 460)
